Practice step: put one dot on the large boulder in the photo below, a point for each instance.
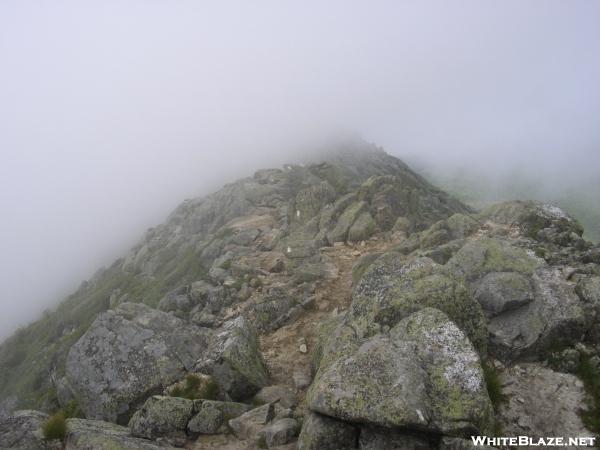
(97, 435)
(530, 306)
(478, 257)
(424, 375)
(556, 316)
(161, 416)
(23, 430)
(538, 221)
(325, 433)
(127, 355)
(235, 361)
(499, 292)
(394, 287)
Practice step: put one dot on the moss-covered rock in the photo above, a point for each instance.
(395, 287)
(478, 257)
(424, 375)
(211, 416)
(97, 435)
(234, 359)
(339, 233)
(161, 416)
(362, 228)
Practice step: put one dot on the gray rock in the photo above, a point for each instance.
(212, 416)
(161, 416)
(281, 394)
(97, 435)
(23, 430)
(324, 433)
(541, 403)
(249, 424)
(280, 432)
(235, 361)
(126, 355)
(499, 292)
(588, 289)
(555, 316)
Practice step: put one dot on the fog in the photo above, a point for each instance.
(113, 112)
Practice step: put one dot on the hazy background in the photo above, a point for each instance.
(112, 112)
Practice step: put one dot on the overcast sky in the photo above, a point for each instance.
(112, 112)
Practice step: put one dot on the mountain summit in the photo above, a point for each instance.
(346, 303)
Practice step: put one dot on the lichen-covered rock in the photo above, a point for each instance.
(353, 387)
(235, 361)
(324, 433)
(541, 403)
(478, 257)
(161, 416)
(537, 220)
(212, 416)
(425, 375)
(97, 435)
(23, 430)
(394, 287)
(456, 389)
(128, 354)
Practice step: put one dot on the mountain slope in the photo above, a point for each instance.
(342, 304)
(183, 249)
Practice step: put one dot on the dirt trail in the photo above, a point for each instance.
(282, 348)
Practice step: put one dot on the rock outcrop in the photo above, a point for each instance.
(127, 355)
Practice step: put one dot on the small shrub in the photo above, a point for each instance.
(55, 427)
(195, 387)
(493, 384)
(226, 265)
(210, 390)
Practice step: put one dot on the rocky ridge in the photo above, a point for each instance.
(344, 304)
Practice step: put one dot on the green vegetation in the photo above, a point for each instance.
(195, 387)
(55, 427)
(589, 375)
(493, 384)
